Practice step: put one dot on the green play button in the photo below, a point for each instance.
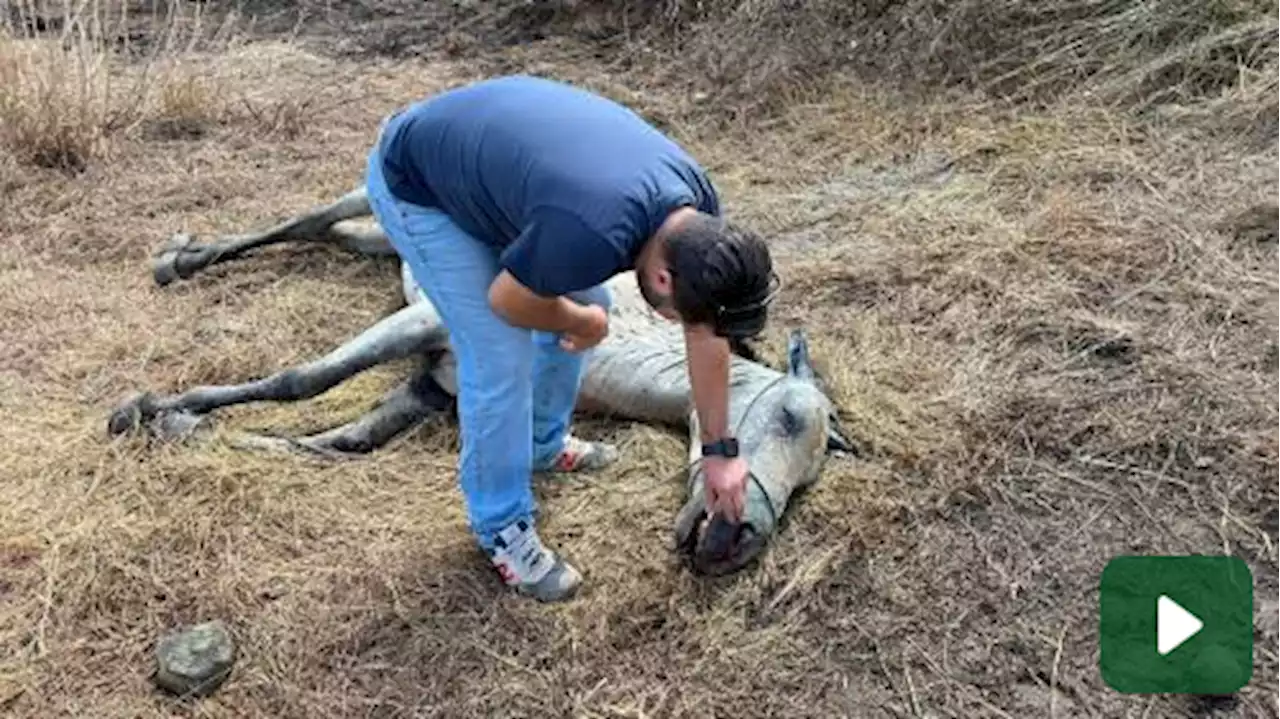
(1176, 624)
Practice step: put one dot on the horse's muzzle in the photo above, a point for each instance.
(715, 546)
(723, 547)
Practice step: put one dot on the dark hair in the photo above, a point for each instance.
(722, 275)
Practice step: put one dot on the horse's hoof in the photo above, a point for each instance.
(130, 415)
(165, 267)
(178, 425)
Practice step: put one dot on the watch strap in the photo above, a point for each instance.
(724, 447)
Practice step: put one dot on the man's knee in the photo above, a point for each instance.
(504, 373)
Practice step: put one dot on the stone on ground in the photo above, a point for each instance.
(195, 661)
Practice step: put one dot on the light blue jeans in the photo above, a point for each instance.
(516, 387)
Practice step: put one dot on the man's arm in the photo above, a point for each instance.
(555, 254)
(522, 307)
(709, 377)
(726, 479)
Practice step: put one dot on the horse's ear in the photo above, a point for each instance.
(798, 362)
(800, 365)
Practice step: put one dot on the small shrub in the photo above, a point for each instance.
(72, 80)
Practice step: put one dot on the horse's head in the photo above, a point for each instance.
(786, 427)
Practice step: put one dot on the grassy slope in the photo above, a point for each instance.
(1042, 324)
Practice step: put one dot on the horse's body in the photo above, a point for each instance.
(785, 423)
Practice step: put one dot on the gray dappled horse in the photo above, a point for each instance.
(785, 422)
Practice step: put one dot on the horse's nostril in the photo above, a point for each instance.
(714, 559)
(720, 541)
(720, 537)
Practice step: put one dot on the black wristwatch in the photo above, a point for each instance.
(724, 447)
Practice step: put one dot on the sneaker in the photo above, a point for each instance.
(579, 455)
(529, 567)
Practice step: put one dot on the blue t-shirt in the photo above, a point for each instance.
(565, 184)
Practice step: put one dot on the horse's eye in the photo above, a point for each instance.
(792, 423)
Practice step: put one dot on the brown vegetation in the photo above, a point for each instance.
(1039, 268)
(755, 57)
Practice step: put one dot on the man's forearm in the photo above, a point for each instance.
(549, 315)
(522, 308)
(709, 377)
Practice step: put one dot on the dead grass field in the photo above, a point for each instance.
(1052, 327)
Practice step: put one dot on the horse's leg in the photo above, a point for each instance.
(182, 256)
(413, 330)
(406, 406)
(361, 238)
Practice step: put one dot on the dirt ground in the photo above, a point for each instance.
(1053, 332)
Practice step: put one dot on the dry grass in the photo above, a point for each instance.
(1055, 330)
(79, 76)
(71, 80)
(751, 59)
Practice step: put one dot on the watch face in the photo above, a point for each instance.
(722, 448)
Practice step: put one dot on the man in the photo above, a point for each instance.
(512, 200)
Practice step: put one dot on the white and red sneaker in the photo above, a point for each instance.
(529, 567)
(579, 455)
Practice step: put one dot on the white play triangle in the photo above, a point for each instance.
(1174, 625)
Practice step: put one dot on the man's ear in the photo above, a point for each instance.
(662, 279)
(654, 272)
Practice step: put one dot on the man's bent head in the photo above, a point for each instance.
(710, 272)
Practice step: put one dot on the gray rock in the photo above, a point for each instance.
(1268, 618)
(195, 661)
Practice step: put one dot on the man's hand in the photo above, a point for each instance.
(591, 328)
(580, 327)
(725, 488)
